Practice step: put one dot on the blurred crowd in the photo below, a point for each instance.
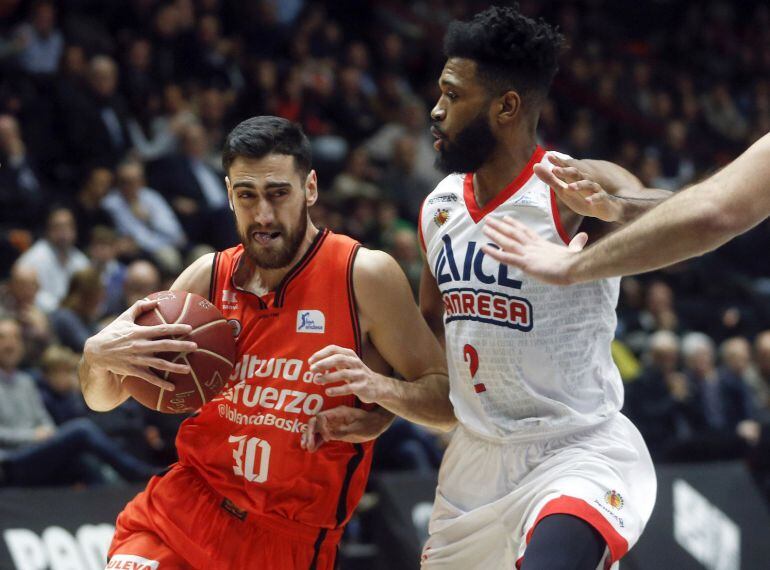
(113, 113)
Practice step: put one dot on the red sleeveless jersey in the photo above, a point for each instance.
(246, 442)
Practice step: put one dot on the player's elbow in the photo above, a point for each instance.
(717, 223)
(447, 424)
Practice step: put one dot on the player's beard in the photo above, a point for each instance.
(275, 257)
(470, 149)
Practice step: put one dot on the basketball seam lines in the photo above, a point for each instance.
(215, 355)
(200, 328)
(197, 384)
(187, 300)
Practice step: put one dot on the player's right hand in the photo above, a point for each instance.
(575, 183)
(345, 423)
(519, 246)
(125, 348)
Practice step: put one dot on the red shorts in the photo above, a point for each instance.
(179, 522)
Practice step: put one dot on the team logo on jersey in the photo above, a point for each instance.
(311, 321)
(229, 300)
(485, 304)
(614, 499)
(443, 198)
(235, 324)
(131, 562)
(441, 216)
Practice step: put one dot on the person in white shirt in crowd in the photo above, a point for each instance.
(143, 214)
(55, 258)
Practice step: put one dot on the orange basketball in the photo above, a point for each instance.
(210, 365)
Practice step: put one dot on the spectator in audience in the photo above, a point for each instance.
(42, 41)
(55, 258)
(355, 180)
(88, 207)
(76, 318)
(59, 387)
(722, 114)
(103, 251)
(96, 120)
(655, 399)
(660, 312)
(735, 355)
(144, 215)
(21, 192)
(406, 252)
(716, 405)
(401, 181)
(413, 121)
(196, 191)
(142, 278)
(17, 300)
(33, 451)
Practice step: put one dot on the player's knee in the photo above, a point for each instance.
(564, 542)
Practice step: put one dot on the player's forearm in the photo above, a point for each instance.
(634, 202)
(684, 226)
(101, 389)
(423, 401)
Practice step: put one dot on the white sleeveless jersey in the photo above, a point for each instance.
(526, 360)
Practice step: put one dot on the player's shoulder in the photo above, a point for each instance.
(378, 282)
(447, 193)
(373, 264)
(450, 186)
(375, 271)
(197, 277)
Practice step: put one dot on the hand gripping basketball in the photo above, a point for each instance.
(128, 349)
(173, 352)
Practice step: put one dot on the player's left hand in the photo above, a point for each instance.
(335, 365)
(575, 184)
(345, 423)
(521, 247)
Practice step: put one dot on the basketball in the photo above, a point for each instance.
(210, 365)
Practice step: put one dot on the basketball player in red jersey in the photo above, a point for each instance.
(309, 308)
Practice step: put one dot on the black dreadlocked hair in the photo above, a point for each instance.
(511, 51)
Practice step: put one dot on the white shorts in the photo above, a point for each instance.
(491, 494)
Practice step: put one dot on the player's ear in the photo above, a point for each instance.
(508, 107)
(229, 192)
(311, 188)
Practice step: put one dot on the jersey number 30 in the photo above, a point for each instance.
(245, 456)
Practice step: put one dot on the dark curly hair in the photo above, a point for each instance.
(511, 51)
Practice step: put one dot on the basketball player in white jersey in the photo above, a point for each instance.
(543, 472)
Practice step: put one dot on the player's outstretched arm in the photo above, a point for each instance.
(390, 317)
(124, 348)
(694, 221)
(598, 189)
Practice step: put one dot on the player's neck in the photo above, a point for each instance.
(501, 168)
(259, 280)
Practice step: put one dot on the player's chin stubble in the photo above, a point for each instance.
(279, 257)
(470, 149)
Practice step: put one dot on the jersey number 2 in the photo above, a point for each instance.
(472, 358)
(245, 455)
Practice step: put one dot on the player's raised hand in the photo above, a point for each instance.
(345, 423)
(575, 183)
(336, 365)
(126, 348)
(520, 246)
